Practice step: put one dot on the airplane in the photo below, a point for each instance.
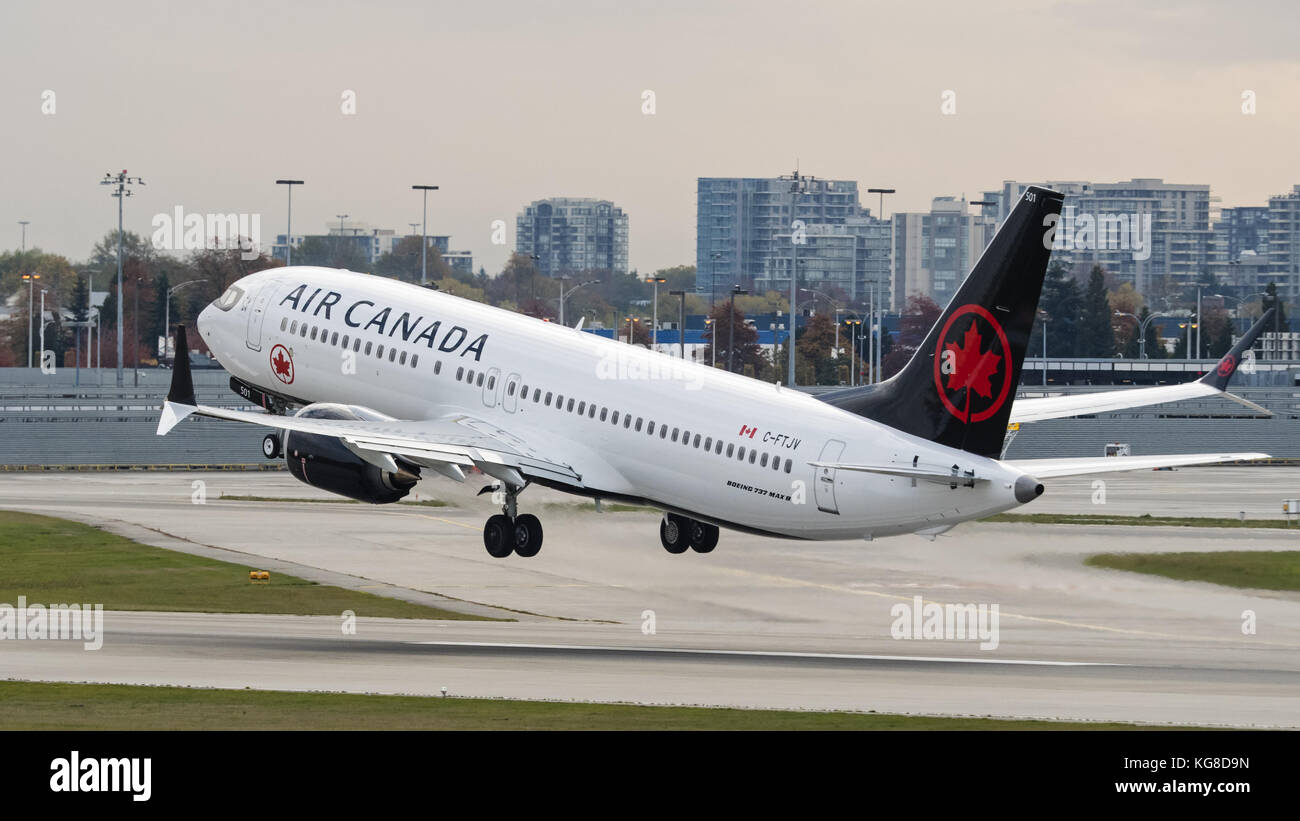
(371, 384)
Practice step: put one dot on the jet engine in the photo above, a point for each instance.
(325, 462)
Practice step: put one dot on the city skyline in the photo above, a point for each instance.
(211, 109)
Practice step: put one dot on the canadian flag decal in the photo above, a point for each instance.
(746, 430)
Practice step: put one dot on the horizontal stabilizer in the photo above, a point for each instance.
(1051, 468)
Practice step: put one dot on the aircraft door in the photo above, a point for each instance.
(510, 399)
(490, 387)
(257, 315)
(824, 489)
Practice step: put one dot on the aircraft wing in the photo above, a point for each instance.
(445, 445)
(1213, 383)
(1052, 468)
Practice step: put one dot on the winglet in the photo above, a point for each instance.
(180, 397)
(1220, 376)
(182, 389)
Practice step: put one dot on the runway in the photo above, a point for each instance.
(758, 623)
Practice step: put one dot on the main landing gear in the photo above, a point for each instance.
(507, 532)
(677, 533)
(271, 445)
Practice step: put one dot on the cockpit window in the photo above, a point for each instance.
(230, 298)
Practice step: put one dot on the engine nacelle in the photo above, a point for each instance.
(325, 462)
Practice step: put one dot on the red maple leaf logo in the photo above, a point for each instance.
(281, 364)
(971, 368)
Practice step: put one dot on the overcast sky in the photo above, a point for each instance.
(505, 102)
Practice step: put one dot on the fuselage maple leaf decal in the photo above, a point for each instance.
(281, 364)
(971, 368)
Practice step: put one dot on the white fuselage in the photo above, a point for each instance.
(702, 417)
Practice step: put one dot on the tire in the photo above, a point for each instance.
(672, 534)
(703, 538)
(271, 446)
(527, 534)
(498, 536)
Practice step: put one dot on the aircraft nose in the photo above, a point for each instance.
(205, 321)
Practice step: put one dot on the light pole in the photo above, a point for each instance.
(30, 279)
(42, 359)
(424, 230)
(121, 190)
(564, 296)
(1187, 344)
(882, 192)
(736, 291)
(681, 322)
(853, 324)
(288, 228)
(798, 185)
(1142, 330)
(24, 224)
(654, 332)
(167, 311)
(713, 341)
(1044, 318)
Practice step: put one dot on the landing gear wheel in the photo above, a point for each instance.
(527, 533)
(703, 538)
(672, 533)
(271, 446)
(498, 536)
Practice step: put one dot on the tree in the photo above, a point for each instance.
(748, 354)
(1096, 333)
(814, 345)
(918, 318)
(1062, 303)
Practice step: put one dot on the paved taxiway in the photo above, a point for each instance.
(780, 623)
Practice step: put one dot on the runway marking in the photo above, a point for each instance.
(764, 654)
(1042, 619)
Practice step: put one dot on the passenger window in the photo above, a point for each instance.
(345, 342)
(334, 340)
(708, 443)
(591, 411)
(638, 424)
(730, 449)
(293, 329)
(776, 463)
(303, 331)
(787, 465)
(569, 407)
(479, 383)
(548, 398)
(437, 366)
(663, 431)
(492, 382)
(650, 429)
(537, 394)
(559, 402)
(696, 443)
(356, 344)
(469, 376)
(402, 361)
(627, 421)
(603, 413)
(582, 408)
(379, 352)
(459, 373)
(368, 344)
(392, 354)
(284, 323)
(753, 454)
(314, 329)
(510, 390)
(415, 357)
(740, 453)
(686, 438)
(675, 432)
(614, 419)
(718, 447)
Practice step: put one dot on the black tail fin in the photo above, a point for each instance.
(182, 389)
(1228, 364)
(958, 388)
